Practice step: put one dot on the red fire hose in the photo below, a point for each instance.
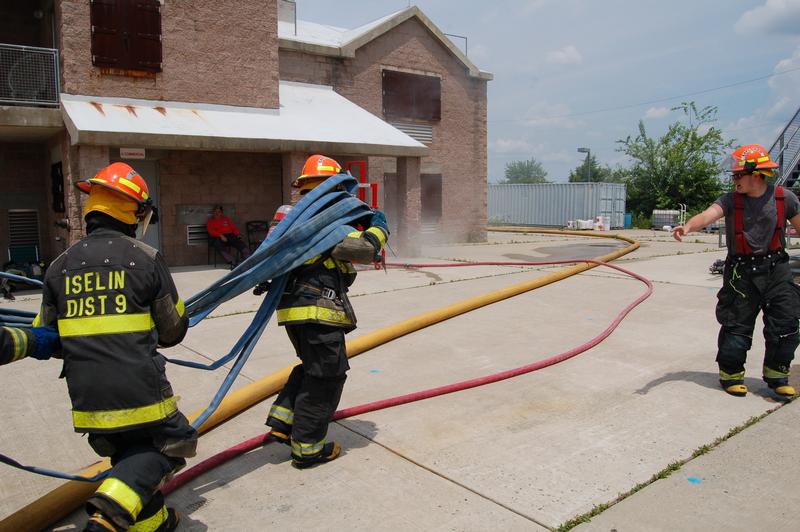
(257, 441)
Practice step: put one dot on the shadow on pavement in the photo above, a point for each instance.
(710, 380)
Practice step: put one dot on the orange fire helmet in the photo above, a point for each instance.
(751, 158)
(126, 186)
(317, 169)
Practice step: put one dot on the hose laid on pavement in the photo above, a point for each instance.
(65, 498)
(262, 439)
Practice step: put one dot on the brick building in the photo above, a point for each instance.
(221, 102)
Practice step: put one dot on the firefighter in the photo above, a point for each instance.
(17, 343)
(113, 301)
(756, 275)
(317, 313)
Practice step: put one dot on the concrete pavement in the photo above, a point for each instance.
(527, 453)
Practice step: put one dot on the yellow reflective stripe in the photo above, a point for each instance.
(770, 373)
(130, 184)
(37, 321)
(180, 308)
(152, 523)
(328, 168)
(312, 260)
(115, 324)
(283, 414)
(306, 449)
(126, 417)
(378, 232)
(354, 234)
(312, 312)
(122, 494)
(20, 341)
(329, 263)
(731, 376)
(763, 159)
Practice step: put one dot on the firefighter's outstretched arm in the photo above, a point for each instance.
(699, 221)
(168, 312)
(364, 247)
(36, 342)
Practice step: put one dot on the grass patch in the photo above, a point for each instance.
(664, 473)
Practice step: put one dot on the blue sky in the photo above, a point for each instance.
(582, 73)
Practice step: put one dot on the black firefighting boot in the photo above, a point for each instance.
(330, 451)
(733, 383)
(279, 437)
(778, 381)
(100, 523)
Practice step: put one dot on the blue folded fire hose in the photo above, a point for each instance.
(317, 223)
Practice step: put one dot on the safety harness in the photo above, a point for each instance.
(742, 247)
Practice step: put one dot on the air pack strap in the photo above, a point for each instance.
(742, 247)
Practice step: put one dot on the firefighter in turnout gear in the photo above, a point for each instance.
(317, 313)
(757, 275)
(113, 301)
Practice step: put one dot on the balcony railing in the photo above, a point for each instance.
(786, 152)
(28, 75)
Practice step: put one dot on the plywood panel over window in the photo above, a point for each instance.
(411, 96)
(126, 34)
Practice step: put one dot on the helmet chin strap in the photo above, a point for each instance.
(147, 209)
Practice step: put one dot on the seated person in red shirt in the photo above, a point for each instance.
(224, 235)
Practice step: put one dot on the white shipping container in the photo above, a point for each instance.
(554, 204)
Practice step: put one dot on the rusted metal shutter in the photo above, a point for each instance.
(107, 47)
(145, 35)
(126, 34)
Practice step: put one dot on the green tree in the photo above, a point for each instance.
(599, 174)
(530, 171)
(682, 166)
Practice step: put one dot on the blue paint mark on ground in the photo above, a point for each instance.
(694, 480)
(374, 371)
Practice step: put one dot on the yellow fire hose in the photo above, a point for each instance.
(64, 499)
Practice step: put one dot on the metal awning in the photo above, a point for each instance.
(311, 118)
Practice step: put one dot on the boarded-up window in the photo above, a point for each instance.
(126, 34)
(411, 96)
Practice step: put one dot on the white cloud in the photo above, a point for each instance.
(767, 121)
(510, 146)
(657, 112)
(568, 55)
(555, 115)
(781, 16)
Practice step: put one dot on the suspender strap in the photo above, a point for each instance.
(742, 247)
(777, 238)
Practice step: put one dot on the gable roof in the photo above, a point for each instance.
(321, 39)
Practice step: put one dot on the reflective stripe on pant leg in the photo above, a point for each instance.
(284, 415)
(305, 450)
(122, 496)
(151, 524)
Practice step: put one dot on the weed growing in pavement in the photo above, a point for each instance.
(664, 473)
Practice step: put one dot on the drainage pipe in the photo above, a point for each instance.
(64, 499)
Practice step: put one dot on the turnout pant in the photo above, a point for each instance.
(751, 285)
(307, 403)
(141, 460)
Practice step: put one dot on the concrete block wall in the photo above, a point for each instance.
(459, 145)
(250, 181)
(222, 52)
